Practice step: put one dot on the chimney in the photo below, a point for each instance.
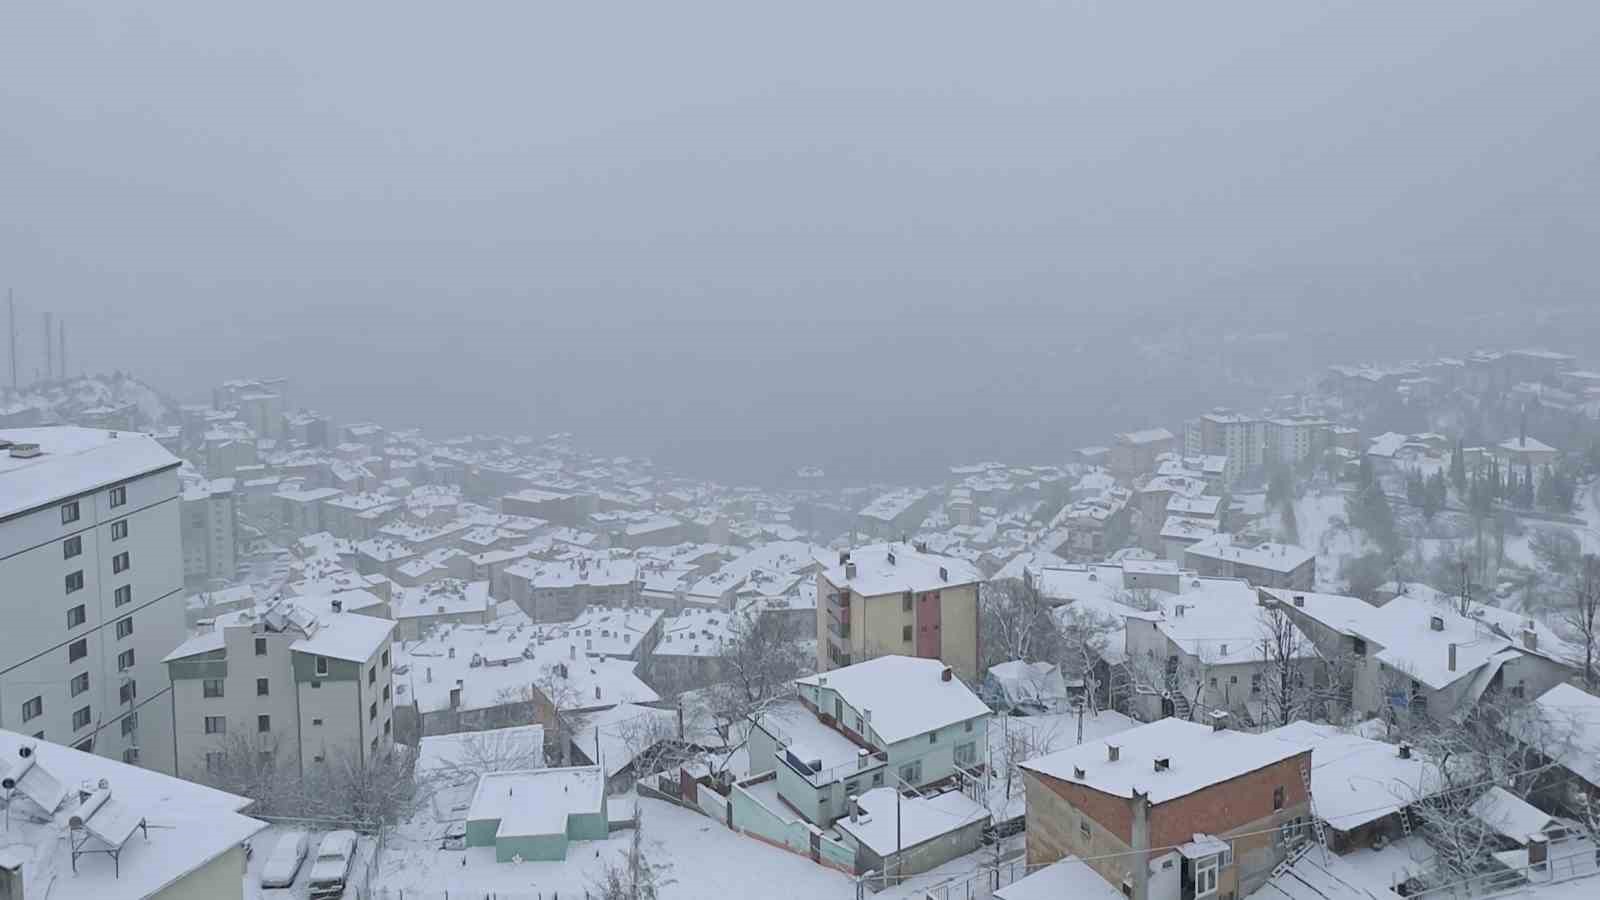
(597, 692)
(1113, 752)
(946, 674)
(861, 759)
(1162, 763)
(455, 695)
(849, 571)
(1079, 773)
(1177, 610)
(944, 574)
(890, 557)
(1452, 657)
(844, 557)
(1530, 638)
(1219, 720)
(1300, 600)
(1538, 851)
(338, 605)
(1405, 751)
(1436, 623)
(855, 808)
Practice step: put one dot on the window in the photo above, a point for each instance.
(216, 725)
(316, 685)
(122, 596)
(1227, 856)
(1205, 877)
(1358, 647)
(386, 659)
(1083, 828)
(912, 774)
(905, 602)
(877, 779)
(213, 762)
(322, 665)
(69, 512)
(372, 674)
(130, 723)
(966, 754)
(119, 496)
(1213, 681)
(77, 616)
(77, 650)
(1255, 683)
(32, 709)
(124, 660)
(933, 737)
(211, 687)
(81, 717)
(128, 691)
(263, 724)
(119, 529)
(967, 726)
(124, 627)
(1519, 690)
(261, 646)
(119, 563)
(74, 581)
(263, 687)
(905, 633)
(131, 756)
(388, 726)
(1277, 798)
(85, 746)
(72, 546)
(386, 693)
(372, 711)
(80, 683)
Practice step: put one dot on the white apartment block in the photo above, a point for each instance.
(302, 686)
(91, 582)
(210, 534)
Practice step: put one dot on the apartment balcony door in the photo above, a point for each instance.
(928, 626)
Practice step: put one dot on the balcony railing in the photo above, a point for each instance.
(840, 630)
(817, 778)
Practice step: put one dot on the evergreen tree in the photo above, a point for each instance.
(1547, 489)
(1458, 470)
(1434, 494)
(1414, 488)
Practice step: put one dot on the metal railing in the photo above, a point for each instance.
(841, 772)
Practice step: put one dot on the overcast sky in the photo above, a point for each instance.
(740, 236)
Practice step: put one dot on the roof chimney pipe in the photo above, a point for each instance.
(1113, 752)
(1452, 657)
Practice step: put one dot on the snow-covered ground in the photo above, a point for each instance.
(707, 860)
(1314, 516)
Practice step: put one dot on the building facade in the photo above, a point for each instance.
(898, 599)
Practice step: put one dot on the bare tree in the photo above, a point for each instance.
(1583, 616)
(246, 765)
(380, 790)
(498, 750)
(633, 877)
(651, 740)
(1297, 681)
(1083, 639)
(1014, 621)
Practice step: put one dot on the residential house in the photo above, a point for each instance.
(896, 598)
(1264, 564)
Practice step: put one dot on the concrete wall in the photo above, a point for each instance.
(220, 879)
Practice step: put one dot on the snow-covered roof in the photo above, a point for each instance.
(347, 636)
(1567, 721)
(1179, 528)
(1025, 682)
(466, 749)
(72, 461)
(908, 696)
(609, 630)
(447, 596)
(696, 632)
(909, 570)
(890, 824)
(508, 661)
(1281, 558)
(623, 732)
(1506, 814)
(1357, 780)
(537, 801)
(597, 570)
(1219, 621)
(1145, 436)
(775, 557)
(809, 739)
(1198, 758)
(1526, 445)
(1068, 877)
(890, 506)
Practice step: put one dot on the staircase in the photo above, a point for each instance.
(1316, 820)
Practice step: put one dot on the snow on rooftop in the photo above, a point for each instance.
(890, 506)
(623, 732)
(696, 632)
(1569, 719)
(345, 635)
(447, 596)
(1507, 814)
(1069, 877)
(1357, 780)
(1198, 757)
(537, 801)
(907, 696)
(469, 750)
(496, 664)
(887, 827)
(585, 569)
(1281, 558)
(71, 461)
(910, 570)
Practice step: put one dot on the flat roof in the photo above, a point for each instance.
(73, 461)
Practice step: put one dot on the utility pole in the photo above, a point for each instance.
(12, 301)
(62, 326)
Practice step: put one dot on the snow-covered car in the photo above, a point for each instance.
(284, 863)
(335, 855)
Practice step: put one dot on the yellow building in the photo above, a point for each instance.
(898, 599)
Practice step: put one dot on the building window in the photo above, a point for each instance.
(72, 546)
(905, 633)
(130, 723)
(905, 602)
(263, 687)
(81, 717)
(315, 685)
(77, 616)
(131, 756)
(966, 754)
(128, 691)
(119, 563)
(386, 659)
(386, 693)
(877, 779)
(32, 709)
(119, 496)
(912, 774)
(122, 596)
(322, 665)
(388, 726)
(933, 737)
(69, 512)
(125, 660)
(74, 581)
(80, 683)
(1255, 683)
(119, 529)
(967, 726)
(213, 762)
(372, 674)
(1205, 877)
(1277, 798)
(124, 627)
(261, 646)
(372, 711)
(1358, 646)
(316, 723)
(211, 687)
(77, 650)
(263, 724)
(216, 725)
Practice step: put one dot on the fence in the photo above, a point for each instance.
(464, 894)
(982, 884)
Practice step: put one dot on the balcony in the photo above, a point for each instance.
(839, 630)
(818, 777)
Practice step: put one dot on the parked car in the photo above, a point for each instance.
(335, 855)
(284, 863)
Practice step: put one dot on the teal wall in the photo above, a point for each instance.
(305, 669)
(544, 847)
(181, 669)
(588, 826)
(480, 833)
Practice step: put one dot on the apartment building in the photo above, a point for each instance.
(283, 681)
(91, 582)
(1172, 810)
(557, 590)
(210, 536)
(1135, 452)
(888, 722)
(1242, 439)
(1265, 564)
(898, 598)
